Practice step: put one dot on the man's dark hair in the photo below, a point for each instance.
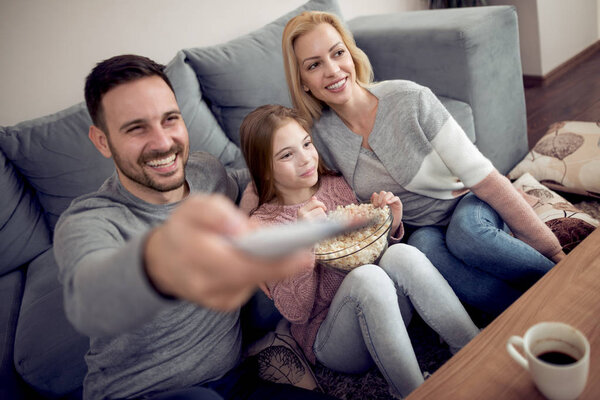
(113, 72)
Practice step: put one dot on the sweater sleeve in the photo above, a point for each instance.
(106, 289)
(294, 297)
(497, 191)
(450, 141)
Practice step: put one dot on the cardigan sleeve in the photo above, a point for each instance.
(450, 141)
(497, 191)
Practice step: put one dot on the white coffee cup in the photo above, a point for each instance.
(567, 353)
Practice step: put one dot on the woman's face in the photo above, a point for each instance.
(295, 163)
(326, 66)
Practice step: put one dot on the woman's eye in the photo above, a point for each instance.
(286, 155)
(340, 52)
(307, 144)
(313, 66)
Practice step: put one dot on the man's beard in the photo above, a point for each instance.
(142, 178)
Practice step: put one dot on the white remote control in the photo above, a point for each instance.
(279, 240)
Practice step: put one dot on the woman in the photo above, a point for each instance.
(397, 136)
(346, 321)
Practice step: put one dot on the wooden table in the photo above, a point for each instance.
(569, 293)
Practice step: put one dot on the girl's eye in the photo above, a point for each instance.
(286, 155)
(308, 143)
(340, 52)
(313, 66)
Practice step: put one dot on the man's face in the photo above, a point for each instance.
(147, 139)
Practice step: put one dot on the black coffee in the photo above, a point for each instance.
(556, 357)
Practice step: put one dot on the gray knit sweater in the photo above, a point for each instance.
(140, 342)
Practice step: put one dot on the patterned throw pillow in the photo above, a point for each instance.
(566, 159)
(568, 223)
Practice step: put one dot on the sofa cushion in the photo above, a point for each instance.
(55, 155)
(49, 353)
(11, 290)
(568, 223)
(247, 72)
(566, 158)
(204, 131)
(23, 230)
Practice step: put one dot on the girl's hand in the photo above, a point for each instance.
(314, 209)
(384, 198)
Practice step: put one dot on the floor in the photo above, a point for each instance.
(574, 96)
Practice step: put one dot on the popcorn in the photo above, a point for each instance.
(360, 247)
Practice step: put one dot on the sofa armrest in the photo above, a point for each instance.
(468, 54)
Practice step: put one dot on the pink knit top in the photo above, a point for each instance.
(304, 298)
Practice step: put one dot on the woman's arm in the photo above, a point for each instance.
(497, 191)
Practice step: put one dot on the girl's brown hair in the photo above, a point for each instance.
(256, 139)
(309, 106)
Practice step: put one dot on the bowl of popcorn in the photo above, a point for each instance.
(363, 246)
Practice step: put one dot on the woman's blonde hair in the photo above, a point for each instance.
(309, 106)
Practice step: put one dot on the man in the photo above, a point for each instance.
(148, 272)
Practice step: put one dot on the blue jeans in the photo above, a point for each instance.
(364, 324)
(486, 266)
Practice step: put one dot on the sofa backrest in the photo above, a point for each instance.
(23, 230)
(46, 162)
(238, 76)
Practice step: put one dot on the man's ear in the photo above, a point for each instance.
(99, 139)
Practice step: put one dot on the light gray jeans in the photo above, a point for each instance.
(364, 324)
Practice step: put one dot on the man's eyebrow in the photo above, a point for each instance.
(178, 112)
(130, 123)
(142, 120)
(315, 57)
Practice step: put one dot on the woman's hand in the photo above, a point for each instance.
(384, 198)
(314, 209)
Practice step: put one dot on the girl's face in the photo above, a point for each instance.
(295, 162)
(326, 66)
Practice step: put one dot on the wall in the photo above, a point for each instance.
(49, 46)
(553, 31)
(566, 28)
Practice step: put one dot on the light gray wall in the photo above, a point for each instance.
(47, 47)
(553, 31)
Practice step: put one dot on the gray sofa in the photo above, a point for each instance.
(468, 57)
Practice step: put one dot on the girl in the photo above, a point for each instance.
(399, 133)
(345, 321)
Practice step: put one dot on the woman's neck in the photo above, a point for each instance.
(359, 113)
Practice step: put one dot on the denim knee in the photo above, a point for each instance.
(403, 257)
(371, 281)
(427, 239)
(366, 274)
(407, 266)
